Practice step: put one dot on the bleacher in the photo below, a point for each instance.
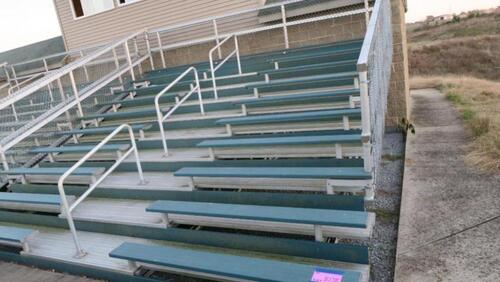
(262, 179)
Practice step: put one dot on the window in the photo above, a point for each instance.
(125, 2)
(91, 7)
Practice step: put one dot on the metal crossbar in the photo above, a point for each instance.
(213, 69)
(67, 209)
(162, 118)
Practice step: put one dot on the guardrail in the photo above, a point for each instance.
(374, 67)
(162, 118)
(60, 185)
(213, 69)
(104, 66)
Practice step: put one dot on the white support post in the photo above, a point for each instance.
(160, 46)
(365, 120)
(75, 92)
(14, 74)
(217, 40)
(148, 46)
(49, 86)
(285, 27)
(117, 64)
(237, 47)
(85, 70)
(318, 233)
(367, 12)
(136, 49)
(129, 60)
(4, 160)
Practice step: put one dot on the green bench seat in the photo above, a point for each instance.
(294, 140)
(306, 97)
(276, 172)
(83, 171)
(224, 266)
(291, 117)
(32, 202)
(14, 236)
(104, 130)
(79, 149)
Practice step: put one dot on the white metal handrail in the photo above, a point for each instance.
(213, 69)
(162, 118)
(67, 209)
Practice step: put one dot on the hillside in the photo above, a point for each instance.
(470, 47)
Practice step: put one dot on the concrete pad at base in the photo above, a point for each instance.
(450, 212)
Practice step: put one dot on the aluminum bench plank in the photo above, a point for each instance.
(79, 149)
(14, 234)
(297, 97)
(230, 267)
(302, 79)
(30, 198)
(289, 117)
(324, 217)
(296, 140)
(54, 171)
(103, 130)
(276, 172)
(307, 67)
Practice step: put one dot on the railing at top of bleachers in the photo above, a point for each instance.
(249, 21)
(374, 67)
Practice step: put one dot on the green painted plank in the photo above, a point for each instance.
(230, 266)
(323, 217)
(79, 148)
(30, 198)
(289, 117)
(53, 171)
(299, 140)
(276, 172)
(14, 234)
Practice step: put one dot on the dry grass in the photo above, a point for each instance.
(471, 56)
(478, 101)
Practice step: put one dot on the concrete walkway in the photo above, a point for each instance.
(449, 227)
(10, 272)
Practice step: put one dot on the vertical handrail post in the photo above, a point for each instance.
(160, 46)
(14, 74)
(85, 70)
(49, 86)
(238, 59)
(75, 92)
(4, 159)
(129, 60)
(365, 120)
(367, 13)
(148, 46)
(285, 26)
(217, 40)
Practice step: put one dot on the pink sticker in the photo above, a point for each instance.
(326, 276)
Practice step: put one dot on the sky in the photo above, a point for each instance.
(24, 22)
(419, 9)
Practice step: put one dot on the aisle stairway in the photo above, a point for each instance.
(272, 173)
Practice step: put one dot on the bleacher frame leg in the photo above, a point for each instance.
(318, 233)
(132, 265)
